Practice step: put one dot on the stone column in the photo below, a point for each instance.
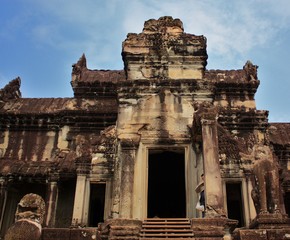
(80, 200)
(82, 193)
(86, 202)
(212, 176)
(127, 182)
(115, 208)
(252, 210)
(3, 198)
(51, 202)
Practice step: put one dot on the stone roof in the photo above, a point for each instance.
(225, 75)
(63, 164)
(81, 74)
(25, 156)
(91, 76)
(57, 105)
(246, 75)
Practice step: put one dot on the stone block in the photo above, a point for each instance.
(253, 234)
(24, 230)
(55, 234)
(83, 234)
(278, 234)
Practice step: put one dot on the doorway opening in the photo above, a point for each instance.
(166, 184)
(97, 204)
(235, 203)
(65, 203)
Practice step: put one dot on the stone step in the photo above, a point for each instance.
(167, 220)
(167, 235)
(160, 228)
(167, 230)
(165, 223)
(173, 238)
(124, 238)
(166, 226)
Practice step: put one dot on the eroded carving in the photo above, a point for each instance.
(32, 207)
(202, 111)
(28, 219)
(266, 188)
(251, 71)
(11, 90)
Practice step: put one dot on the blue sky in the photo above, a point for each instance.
(40, 40)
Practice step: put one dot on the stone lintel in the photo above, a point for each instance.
(131, 142)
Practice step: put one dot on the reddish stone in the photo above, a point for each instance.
(24, 230)
(253, 234)
(56, 234)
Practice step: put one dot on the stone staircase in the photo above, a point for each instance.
(160, 228)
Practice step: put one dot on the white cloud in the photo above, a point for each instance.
(233, 28)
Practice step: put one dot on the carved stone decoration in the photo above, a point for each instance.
(251, 71)
(32, 207)
(266, 188)
(106, 142)
(28, 219)
(11, 90)
(78, 68)
(202, 110)
(104, 151)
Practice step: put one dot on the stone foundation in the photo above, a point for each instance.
(119, 229)
(213, 228)
(266, 227)
(70, 234)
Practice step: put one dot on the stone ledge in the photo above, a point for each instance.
(70, 234)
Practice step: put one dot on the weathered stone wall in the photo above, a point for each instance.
(164, 51)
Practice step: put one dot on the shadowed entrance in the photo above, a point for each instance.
(166, 184)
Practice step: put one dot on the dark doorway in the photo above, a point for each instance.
(234, 202)
(65, 203)
(166, 184)
(97, 204)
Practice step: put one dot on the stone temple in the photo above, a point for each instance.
(123, 158)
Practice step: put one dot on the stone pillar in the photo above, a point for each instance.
(86, 202)
(3, 198)
(122, 205)
(252, 210)
(80, 200)
(82, 193)
(127, 180)
(51, 202)
(115, 208)
(212, 176)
